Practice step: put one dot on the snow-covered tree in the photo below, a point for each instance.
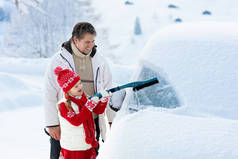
(137, 29)
(39, 31)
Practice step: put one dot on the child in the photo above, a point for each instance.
(75, 115)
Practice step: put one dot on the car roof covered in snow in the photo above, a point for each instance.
(200, 60)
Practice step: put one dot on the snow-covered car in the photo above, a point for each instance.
(193, 112)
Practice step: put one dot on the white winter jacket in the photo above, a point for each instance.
(72, 137)
(53, 93)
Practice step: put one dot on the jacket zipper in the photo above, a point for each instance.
(96, 83)
(74, 71)
(67, 62)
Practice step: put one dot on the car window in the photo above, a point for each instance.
(158, 95)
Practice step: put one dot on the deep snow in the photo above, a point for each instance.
(179, 137)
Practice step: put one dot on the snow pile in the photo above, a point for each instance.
(21, 82)
(22, 135)
(163, 135)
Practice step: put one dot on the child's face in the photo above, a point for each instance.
(77, 90)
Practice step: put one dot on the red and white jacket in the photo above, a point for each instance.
(77, 125)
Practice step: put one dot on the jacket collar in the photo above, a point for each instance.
(68, 58)
(76, 51)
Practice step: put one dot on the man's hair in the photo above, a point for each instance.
(81, 28)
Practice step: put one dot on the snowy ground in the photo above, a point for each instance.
(22, 135)
(21, 111)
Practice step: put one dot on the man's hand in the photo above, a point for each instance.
(54, 132)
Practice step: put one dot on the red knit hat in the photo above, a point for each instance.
(66, 78)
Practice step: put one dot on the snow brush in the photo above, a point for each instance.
(135, 85)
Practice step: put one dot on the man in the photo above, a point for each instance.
(79, 55)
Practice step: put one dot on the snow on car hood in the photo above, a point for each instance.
(153, 134)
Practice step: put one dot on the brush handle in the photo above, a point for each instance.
(136, 86)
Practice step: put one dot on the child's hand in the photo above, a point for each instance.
(105, 96)
(92, 103)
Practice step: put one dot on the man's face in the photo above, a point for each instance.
(85, 44)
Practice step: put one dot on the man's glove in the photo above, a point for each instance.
(92, 103)
(105, 96)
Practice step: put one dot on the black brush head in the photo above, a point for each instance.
(146, 85)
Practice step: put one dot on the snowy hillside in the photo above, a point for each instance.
(21, 82)
(120, 19)
(21, 111)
